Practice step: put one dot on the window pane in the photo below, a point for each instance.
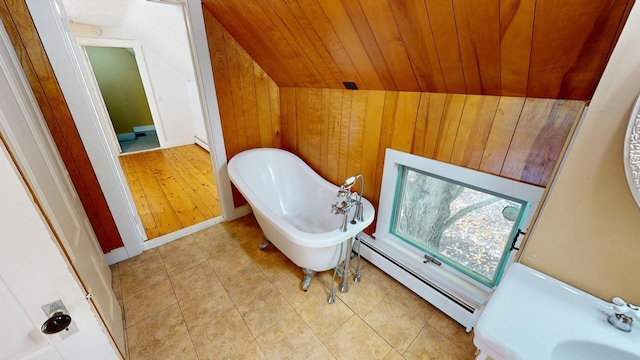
(466, 228)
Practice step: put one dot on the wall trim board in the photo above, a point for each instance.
(144, 128)
(202, 143)
(126, 136)
(161, 240)
(116, 255)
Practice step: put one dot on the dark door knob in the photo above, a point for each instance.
(56, 323)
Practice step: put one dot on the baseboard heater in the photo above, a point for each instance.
(200, 142)
(464, 313)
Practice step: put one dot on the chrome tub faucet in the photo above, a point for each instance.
(342, 209)
(351, 199)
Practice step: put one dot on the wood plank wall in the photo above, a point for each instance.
(342, 133)
(248, 99)
(533, 48)
(26, 42)
(250, 103)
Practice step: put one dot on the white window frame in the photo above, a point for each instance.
(456, 284)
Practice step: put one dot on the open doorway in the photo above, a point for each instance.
(122, 89)
(172, 186)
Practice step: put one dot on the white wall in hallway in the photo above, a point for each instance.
(173, 101)
(161, 28)
(198, 119)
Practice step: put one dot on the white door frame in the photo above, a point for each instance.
(65, 56)
(209, 100)
(66, 59)
(144, 76)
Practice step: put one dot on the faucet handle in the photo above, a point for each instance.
(623, 307)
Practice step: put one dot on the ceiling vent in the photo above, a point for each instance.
(350, 85)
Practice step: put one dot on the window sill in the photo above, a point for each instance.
(444, 278)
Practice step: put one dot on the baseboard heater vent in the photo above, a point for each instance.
(201, 142)
(422, 279)
(457, 309)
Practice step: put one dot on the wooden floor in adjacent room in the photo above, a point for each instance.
(173, 188)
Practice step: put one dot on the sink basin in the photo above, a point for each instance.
(534, 316)
(584, 350)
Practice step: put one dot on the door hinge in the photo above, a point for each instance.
(89, 296)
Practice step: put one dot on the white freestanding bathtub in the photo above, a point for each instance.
(293, 206)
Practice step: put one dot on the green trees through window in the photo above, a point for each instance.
(466, 228)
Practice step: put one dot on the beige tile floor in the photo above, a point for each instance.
(215, 295)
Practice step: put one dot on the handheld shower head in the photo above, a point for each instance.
(349, 183)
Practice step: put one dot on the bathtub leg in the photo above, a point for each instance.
(263, 245)
(308, 275)
(344, 282)
(332, 297)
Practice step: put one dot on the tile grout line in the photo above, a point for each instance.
(235, 307)
(246, 236)
(382, 336)
(183, 320)
(413, 340)
(124, 317)
(272, 283)
(444, 335)
(163, 309)
(144, 288)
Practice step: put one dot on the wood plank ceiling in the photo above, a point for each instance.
(532, 48)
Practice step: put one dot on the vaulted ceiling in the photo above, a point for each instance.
(534, 48)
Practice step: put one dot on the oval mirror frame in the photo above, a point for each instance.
(632, 152)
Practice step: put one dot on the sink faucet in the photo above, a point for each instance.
(622, 318)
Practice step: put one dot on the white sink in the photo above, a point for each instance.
(534, 316)
(585, 350)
